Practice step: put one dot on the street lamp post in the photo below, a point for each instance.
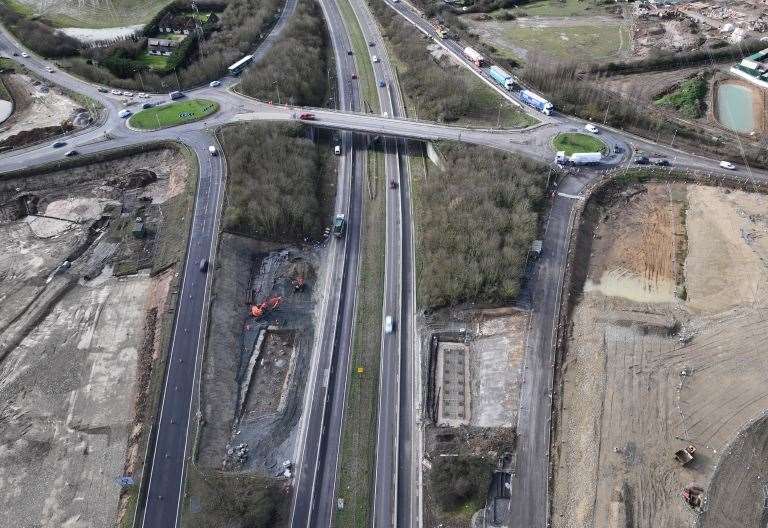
(277, 87)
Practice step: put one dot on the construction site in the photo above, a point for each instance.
(40, 111)
(256, 360)
(87, 276)
(472, 361)
(660, 397)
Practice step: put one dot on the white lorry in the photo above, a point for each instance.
(213, 151)
(578, 158)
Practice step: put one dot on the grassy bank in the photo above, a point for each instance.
(173, 114)
(358, 442)
(474, 249)
(688, 98)
(296, 70)
(571, 142)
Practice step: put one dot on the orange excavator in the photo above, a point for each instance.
(270, 305)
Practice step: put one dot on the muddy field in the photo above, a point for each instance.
(255, 367)
(77, 341)
(38, 107)
(664, 352)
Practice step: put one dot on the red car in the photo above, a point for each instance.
(307, 117)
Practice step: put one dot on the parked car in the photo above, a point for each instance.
(124, 113)
(128, 94)
(71, 153)
(59, 144)
(214, 84)
(727, 165)
(591, 128)
(641, 160)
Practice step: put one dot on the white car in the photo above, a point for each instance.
(115, 92)
(389, 324)
(375, 58)
(25, 54)
(214, 84)
(727, 165)
(128, 94)
(50, 70)
(591, 128)
(124, 113)
(385, 114)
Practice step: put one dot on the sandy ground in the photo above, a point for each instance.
(34, 108)
(106, 34)
(646, 376)
(68, 364)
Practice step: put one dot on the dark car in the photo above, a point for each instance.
(617, 149)
(354, 76)
(59, 144)
(204, 265)
(102, 89)
(147, 105)
(641, 160)
(307, 116)
(71, 153)
(661, 162)
(382, 84)
(371, 43)
(349, 52)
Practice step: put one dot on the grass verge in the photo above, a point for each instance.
(572, 142)
(173, 114)
(588, 42)
(358, 441)
(360, 48)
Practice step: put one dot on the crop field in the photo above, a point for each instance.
(90, 13)
(575, 142)
(173, 114)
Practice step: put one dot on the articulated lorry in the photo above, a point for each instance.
(536, 101)
(503, 78)
(578, 158)
(474, 56)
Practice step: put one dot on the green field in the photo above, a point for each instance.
(578, 43)
(564, 8)
(173, 114)
(576, 142)
(156, 62)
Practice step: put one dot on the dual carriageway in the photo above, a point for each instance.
(397, 497)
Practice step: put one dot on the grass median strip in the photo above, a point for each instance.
(360, 48)
(173, 114)
(358, 447)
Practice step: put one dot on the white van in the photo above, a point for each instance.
(337, 150)
(389, 324)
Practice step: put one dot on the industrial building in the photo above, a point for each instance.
(754, 68)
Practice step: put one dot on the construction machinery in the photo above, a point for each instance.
(270, 305)
(685, 456)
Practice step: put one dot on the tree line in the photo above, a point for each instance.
(296, 70)
(476, 222)
(274, 183)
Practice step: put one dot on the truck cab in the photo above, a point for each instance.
(339, 225)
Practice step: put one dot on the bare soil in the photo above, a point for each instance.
(38, 107)
(71, 378)
(663, 351)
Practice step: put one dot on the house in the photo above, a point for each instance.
(177, 24)
(158, 46)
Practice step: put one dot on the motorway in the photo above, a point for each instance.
(398, 457)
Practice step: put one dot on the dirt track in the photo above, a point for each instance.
(647, 372)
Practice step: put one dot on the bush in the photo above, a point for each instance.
(275, 182)
(476, 222)
(688, 98)
(457, 481)
(295, 69)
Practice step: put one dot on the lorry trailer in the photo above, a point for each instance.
(474, 56)
(537, 102)
(503, 78)
(578, 158)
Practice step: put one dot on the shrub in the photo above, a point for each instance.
(457, 481)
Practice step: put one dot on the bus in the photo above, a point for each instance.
(240, 65)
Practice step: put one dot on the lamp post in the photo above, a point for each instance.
(277, 87)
